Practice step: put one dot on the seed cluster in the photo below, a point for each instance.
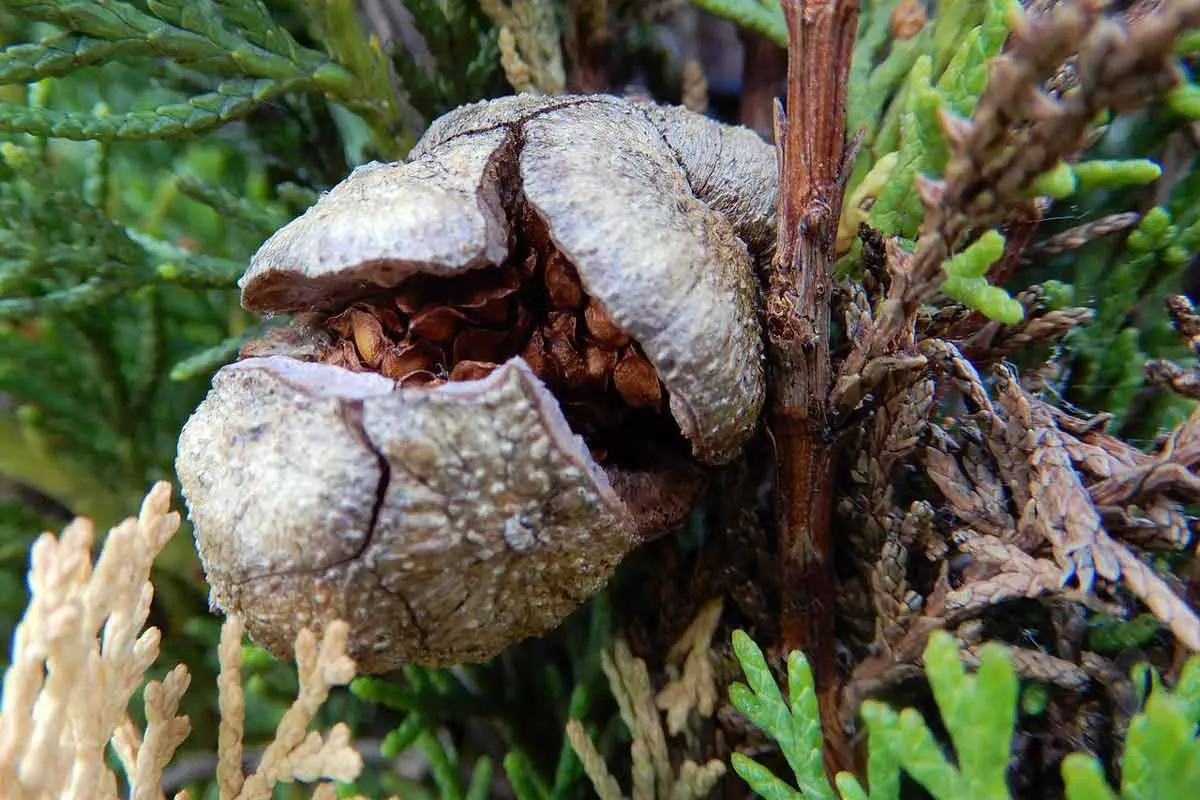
(431, 330)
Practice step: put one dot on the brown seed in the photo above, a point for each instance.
(471, 370)
(305, 339)
(562, 282)
(340, 324)
(493, 313)
(561, 325)
(437, 323)
(568, 362)
(368, 337)
(559, 334)
(599, 363)
(478, 287)
(520, 330)
(344, 355)
(421, 378)
(534, 354)
(411, 295)
(636, 380)
(393, 324)
(601, 327)
(529, 265)
(476, 344)
(406, 358)
(536, 234)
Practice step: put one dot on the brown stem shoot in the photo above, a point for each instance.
(813, 156)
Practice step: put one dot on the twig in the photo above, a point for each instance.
(813, 160)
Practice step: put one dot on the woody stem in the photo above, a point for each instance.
(812, 164)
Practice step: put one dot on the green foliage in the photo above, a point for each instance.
(794, 723)
(503, 693)
(760, 16)
(966, 280)
(1035, 697)
(1162, 749)
(1058, 182)
(444, 763)
(1113, 174)
(978, 713)
(1127, 287)
(903, 87)
(941, 69)
(877, 75)
(464, 55)
(1184, 100)
(1108, 634)
(426, 697)
(957, 44)
(95, 312)
(898, 210)
(250, 60)
(64, 268)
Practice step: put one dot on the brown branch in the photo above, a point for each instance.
(812, 165)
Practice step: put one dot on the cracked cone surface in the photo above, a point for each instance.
(431, 558)
(517, 350)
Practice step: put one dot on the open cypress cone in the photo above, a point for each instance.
(513, 355)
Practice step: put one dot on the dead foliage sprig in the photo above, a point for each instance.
(1043, 506)
(79, 654)
(1159, 372)
(1080, 235)
(693, 691)
(530, 51)
(973, 488)
(295, 754)
(82, 650)
(988, 341)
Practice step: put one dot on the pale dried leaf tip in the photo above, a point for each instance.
(530, 53)
(231, 701)
(295, 753)
(653, 776)
(594, 765)
(693, 686)
(66, 696)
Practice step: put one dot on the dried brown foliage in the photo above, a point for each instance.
(968, 497)
(1035, 505)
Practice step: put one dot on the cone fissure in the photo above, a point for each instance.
(430, 330)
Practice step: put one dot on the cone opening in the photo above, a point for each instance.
(430, 330)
